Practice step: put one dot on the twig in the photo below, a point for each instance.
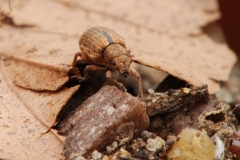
(173, 101)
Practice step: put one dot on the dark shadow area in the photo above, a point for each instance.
(230, 23)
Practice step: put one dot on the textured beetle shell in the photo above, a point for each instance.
(95, 40)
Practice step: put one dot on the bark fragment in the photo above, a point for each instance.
(110, 113)
(173, 101)
(217, 123)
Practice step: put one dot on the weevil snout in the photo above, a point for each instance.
(125, 73)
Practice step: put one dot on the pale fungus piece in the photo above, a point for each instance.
(219, 147)
(149, 104)
(190, 118)
(74, 156)
(151, 91)
(124, 154)
(186, 90)
(193, 144)
(96, 155)
(105, 157)
(155, 144)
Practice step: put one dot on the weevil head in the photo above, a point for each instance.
(118, 58)
(122, 65)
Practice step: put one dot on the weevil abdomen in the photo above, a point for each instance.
(95, 40)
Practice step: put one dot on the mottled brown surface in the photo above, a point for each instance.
(31, 75)
(25, 120)
(189, 118)
(44, 105)
(100, 118)
(173, 101)
(95, 41)
(174, 36)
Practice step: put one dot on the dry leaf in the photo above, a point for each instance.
(26, 116)
(160, 16)
(38, 77)
(43, 37)
(5, 10)
(40, 55)
(167, 36)
(44, 105)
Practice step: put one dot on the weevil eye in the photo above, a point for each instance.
(113, 62)
(131, 61)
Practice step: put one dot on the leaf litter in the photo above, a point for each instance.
(24, 120)
(41, 62)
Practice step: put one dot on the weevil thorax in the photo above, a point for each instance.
(117, 57)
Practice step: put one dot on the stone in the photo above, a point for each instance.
(193, 144)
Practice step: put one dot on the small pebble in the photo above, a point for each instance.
(157, 97)
(154, 99)
(96, 155)
(149, 104)
(149, 97)
(151, 91)
(75, 156)
(186, 90)
(124, 154)
(219, 147)
(154, 144)
(193, 144)
(105, 157)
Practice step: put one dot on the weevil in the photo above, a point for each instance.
(104, 49)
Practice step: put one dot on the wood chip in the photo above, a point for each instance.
(173, 101)
(102, 117)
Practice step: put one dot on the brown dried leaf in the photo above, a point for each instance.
(161, 16)
(5, 10)
(39, 57)
(172, 42)
(38, 77)
(45, 106)
(26, 117)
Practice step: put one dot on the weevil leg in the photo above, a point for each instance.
(119, 85)
(135, 74)
(74, 63)
(74, 73)
(83, 57)
(92, 68)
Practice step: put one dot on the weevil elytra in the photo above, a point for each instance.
(104, 49)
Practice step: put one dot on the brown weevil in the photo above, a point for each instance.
(104, 49)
